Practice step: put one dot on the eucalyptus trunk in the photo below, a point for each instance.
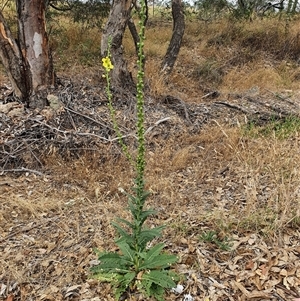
(121, 78)
(27, 60)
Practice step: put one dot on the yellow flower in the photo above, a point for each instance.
(106, 62)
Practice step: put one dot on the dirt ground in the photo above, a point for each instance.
(61, 181)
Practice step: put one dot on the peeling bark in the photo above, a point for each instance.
(28, 62)
(34, 42)
(13, 61)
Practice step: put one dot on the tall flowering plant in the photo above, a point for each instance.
(137, 267)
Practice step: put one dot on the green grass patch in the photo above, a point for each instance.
(213, 238)
(279, 128)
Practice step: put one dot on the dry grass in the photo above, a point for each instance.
(225, 55)
(221, 55)
(232, 180)
(253, 181)
(74, 46)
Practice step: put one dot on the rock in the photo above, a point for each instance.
(54, 102)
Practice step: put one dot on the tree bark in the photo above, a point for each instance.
(294, 6)
(133, 30)
(33, 41)
(289, 6)
(13, 61)
(136, 38)
(121, 78)
(178, 32)
(134, 34)
(28, 61)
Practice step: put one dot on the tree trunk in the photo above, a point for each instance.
(136, 38)
(34, 42)
(289, 6)
(28, 62)
(13, 61)
(294, 8)
(134, 32)
(119, 15)
(175, 43)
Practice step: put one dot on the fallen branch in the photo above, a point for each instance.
(87, 117)
(23, 169)
(232, 106)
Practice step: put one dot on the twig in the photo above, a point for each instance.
(156, 124)
(232, 106)
(72, 121)
(287, 99)
(185, 110)
(23, 169)
(213, 94)
(279, 112)
(278, 297)
(87, 117)
(220, 127)
(28, 229)
(105, 139)
(51, 127)
(80, 134)
(176, 102)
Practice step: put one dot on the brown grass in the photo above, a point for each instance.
(225, 55)
(253, 181)
(229, 57)
(223, 178)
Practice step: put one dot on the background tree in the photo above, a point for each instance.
(247, 8)
(27, 59)
(25, 54)
(208, 10)
(114, 29)
(89, 13)
(178, 31)
(292, 6)
(119, 18)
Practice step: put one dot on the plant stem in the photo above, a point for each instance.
(140, 160)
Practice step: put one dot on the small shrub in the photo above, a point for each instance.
(212, 237)
(209, 72)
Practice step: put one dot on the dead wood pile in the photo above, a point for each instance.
(77, 121)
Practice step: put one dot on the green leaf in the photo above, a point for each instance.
(123, 234)
(107, 277)
(112, 261)
(147, 235)
(120, 282)
(152, 290)
(146, 213)
(124, 221)
(126, 280)
(161, 278)
(103, 268)
(114, 257)
(154, 251)
(160, 261)
(136, 211)
(126, 250)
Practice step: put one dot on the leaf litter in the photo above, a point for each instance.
(54, 212)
